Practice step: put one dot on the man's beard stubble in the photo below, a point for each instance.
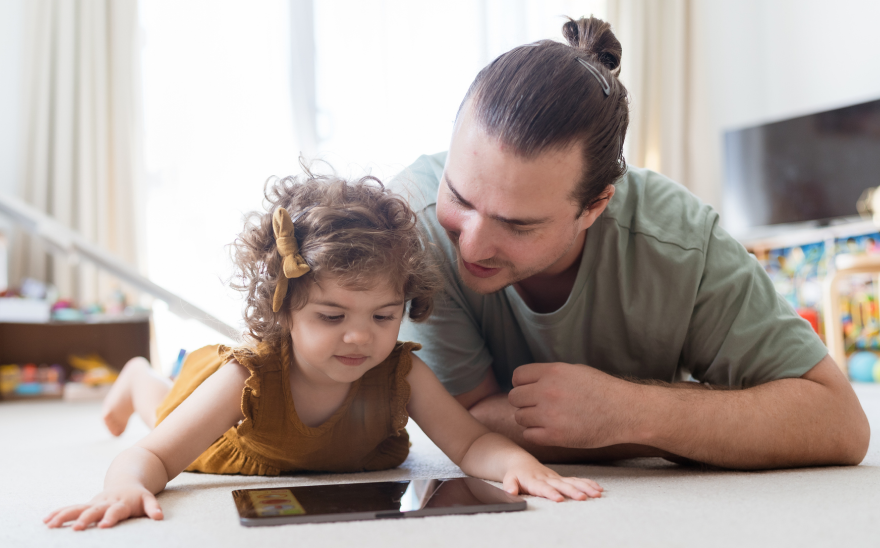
(515, 275)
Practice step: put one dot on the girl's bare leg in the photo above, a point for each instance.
(139, 389)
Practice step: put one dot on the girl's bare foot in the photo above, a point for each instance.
(119, 403)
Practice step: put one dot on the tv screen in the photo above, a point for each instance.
(809, 168)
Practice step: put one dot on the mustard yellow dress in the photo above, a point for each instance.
(366, 433)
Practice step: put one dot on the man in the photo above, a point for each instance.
(589, 291)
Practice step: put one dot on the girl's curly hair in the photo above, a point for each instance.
(358, 233)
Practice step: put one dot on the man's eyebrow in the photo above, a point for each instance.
(526, 221)
(456, 194)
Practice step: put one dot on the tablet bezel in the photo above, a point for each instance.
(505, 502)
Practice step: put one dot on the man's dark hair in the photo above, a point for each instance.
(544, 96)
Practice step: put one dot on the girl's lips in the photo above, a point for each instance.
(351, 360)
(480, 271)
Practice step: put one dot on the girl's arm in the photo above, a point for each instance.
(478, 451)
(138, 473)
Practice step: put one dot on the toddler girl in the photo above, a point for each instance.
(328, 273)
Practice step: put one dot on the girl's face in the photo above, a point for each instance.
(342, 333)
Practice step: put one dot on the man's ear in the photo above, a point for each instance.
(589, 216)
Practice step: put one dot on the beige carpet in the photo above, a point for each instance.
(55, 453)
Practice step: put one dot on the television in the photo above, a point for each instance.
(811, 169)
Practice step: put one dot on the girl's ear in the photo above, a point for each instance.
(285, 318)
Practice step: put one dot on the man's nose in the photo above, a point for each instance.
(475, 239)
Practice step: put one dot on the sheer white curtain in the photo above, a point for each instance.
(391, 73)
(656, 36)
(81, 137)
(218, 123)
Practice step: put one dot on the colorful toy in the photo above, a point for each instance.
(175, 370)
(10, 377)
(811, 315)
(31, 381)
(797, 273)
(92, 370)
(863, 366)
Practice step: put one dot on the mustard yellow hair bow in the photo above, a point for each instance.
(292, 264)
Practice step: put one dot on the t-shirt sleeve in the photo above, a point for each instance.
(742, 332)
(452, 345)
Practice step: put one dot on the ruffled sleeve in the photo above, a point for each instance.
(402, 390)
(257, 361)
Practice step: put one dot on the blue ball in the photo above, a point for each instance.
(861, 366)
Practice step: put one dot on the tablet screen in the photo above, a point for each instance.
(380, 500)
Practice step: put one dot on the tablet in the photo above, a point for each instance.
(364, 501)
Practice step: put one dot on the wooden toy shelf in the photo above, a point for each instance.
(116, 339)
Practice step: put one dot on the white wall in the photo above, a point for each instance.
(763, 60)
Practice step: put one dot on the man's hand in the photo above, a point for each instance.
(809, 421)
(572, 405)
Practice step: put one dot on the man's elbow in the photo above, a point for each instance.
(849, 432)
(857, 437)
(845, 429)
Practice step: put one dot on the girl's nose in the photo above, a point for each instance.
(359, 336)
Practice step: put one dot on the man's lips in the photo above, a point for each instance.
(480, 271)
(351, 360)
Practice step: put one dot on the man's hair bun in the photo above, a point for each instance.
(594, 37)
(547, 95)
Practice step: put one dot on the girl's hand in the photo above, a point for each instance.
(536, 479)
(107, 509)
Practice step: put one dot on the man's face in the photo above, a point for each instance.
(510, 218)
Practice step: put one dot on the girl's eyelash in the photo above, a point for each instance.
(333, 319)
(330, 318)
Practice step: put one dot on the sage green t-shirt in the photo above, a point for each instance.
(662, 292)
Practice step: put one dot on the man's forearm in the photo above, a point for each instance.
(498, 415)
(813, 420)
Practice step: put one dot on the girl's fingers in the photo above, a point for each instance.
(511, 484)
(116, 513)
(584, 484)
(568, 489)
(542, 488)
(64, 515)
(89, 516)
(151, 506)
(51, 515)
(590, 488)
(586, 481)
